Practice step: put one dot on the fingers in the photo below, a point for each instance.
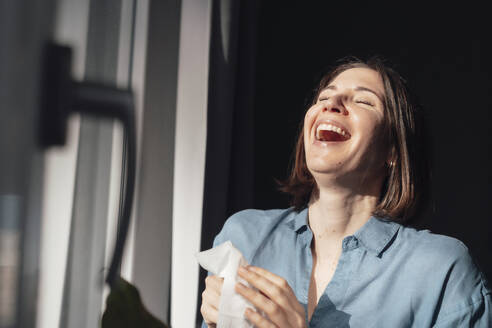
(275, 287)
(214, 282)
(270, 288)
(211, 299)
(258, 320)
(210, 314)
(281, 283)
(277, 280)
(274, 311)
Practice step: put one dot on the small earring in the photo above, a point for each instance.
(391, 164)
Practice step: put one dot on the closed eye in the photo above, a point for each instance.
(364, 102)
(358, 101)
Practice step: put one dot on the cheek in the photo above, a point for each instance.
(309, 119)
(308, 123)
(373, 146)
(377, 132)
(311, 112)
(370, 136)
(306, 137)
(369, 124)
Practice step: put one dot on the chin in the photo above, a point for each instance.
(336, 167)
(326, 162)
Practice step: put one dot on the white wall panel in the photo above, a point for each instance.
(189, 163)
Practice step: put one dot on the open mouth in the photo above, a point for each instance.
(331, 132)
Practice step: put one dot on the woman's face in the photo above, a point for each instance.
(343, 130)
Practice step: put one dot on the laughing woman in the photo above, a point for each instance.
(342, 256)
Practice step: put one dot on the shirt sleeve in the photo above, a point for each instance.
(477, 314)
(467, 300)
(243, 230)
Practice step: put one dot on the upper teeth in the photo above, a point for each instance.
(329, 127)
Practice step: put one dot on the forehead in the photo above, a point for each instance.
(359, 77)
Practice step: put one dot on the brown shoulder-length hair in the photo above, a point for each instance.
(406, 184)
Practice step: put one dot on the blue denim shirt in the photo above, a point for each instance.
(388, 275)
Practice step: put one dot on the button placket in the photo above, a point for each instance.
(332, 298)
(304, 275)
(306, 237)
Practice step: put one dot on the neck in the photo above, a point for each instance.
(337, 212)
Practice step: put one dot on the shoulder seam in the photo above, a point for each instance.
(466, 307)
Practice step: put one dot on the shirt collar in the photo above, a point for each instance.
(298, 220)
(375, 235)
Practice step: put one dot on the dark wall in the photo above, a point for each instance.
(445, 57)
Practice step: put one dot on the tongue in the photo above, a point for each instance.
(325, 135)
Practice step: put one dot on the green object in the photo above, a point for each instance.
(124, 309)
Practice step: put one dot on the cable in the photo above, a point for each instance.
(127, 203)
(108, 101)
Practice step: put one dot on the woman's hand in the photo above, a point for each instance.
(274, 297)
(211, 300)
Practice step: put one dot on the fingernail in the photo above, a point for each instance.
(240, 286)
(242, 269)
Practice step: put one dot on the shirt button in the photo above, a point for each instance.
(349, 242)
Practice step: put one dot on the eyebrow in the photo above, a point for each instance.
(358, 88)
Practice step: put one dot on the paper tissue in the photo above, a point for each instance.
(223, 261)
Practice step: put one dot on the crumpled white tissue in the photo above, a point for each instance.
(223, 261)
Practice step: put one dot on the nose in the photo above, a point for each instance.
(334, 106)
